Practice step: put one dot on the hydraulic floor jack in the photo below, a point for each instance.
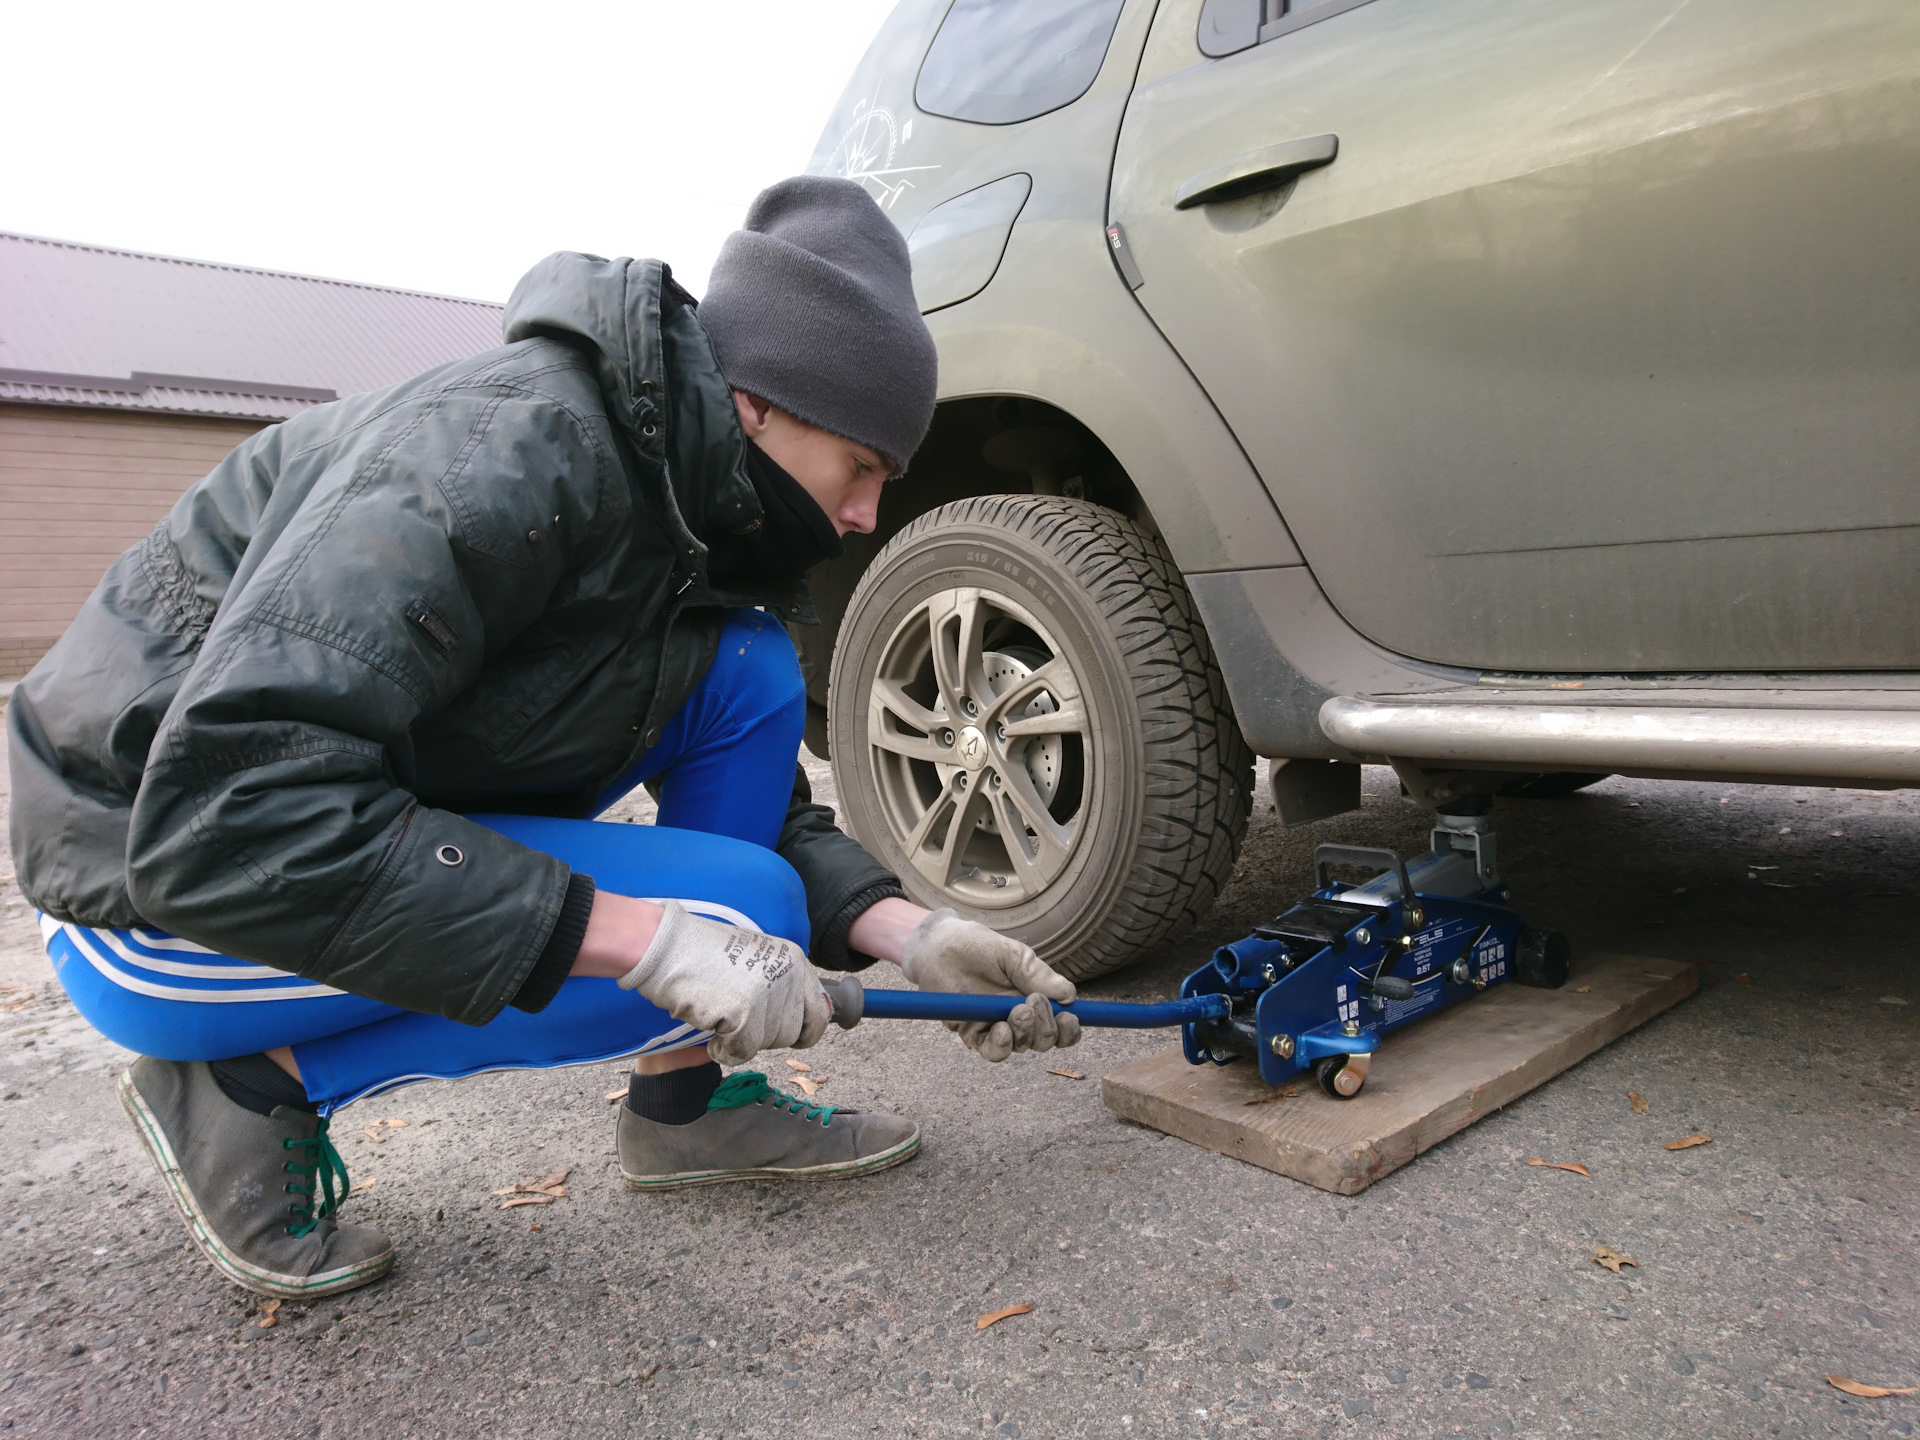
(1318, 986)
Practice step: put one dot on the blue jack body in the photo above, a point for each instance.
(1317, 987)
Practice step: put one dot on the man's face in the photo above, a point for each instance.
(843, 476)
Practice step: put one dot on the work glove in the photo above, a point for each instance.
(944, 952)
(753, 991)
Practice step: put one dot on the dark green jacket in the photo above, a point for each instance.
(483, 589)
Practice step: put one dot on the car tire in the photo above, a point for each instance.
(1108, 818)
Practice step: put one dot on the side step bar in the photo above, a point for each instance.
(1831, 746)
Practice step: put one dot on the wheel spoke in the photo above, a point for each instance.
(1013, 835)
(918, 838)
(912, 747)
(966, 808)
(1053, 839)
(1055, 722)
(889, 701)
(892, 697)
(957, 621)
(1055, 678)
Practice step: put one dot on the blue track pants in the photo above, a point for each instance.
(725, 762)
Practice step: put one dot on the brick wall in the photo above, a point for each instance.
(77, 487)
(19, 656)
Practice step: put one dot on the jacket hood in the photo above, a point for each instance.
(657, 373)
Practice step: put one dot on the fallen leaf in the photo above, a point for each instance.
(1639, 1102)
(1286, 1094)
(812, 1087)
(1743, 978)
(994, 1317)
(1852, 1387)
(1067, 1074)
(1574, 1166)
(396, 1124)
(375, 1134)
(534, 1228)
(520, 1200)
(1763, 867)
(359, 1185)
(1611, 1258)
(800, 1067)
(1836, 835)
(537, 1192)
(613, 1095)
(1687, 1142)
(269, 1314)
(1583, 990)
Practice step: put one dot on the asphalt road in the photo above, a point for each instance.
(1175, 1292)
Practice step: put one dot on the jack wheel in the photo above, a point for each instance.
(1542, 959)
(1339, 1079)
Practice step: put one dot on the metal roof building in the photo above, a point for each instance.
(126, 377)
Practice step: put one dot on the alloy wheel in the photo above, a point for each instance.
(981, 747)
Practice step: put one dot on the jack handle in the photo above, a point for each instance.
(853, 1002)
(1374, 859)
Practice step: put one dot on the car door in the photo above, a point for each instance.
(1591, 343)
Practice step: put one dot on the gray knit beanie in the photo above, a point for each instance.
(811, 308)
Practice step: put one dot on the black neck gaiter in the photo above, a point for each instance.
(794, 535)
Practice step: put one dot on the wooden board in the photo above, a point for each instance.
(1429, 1081)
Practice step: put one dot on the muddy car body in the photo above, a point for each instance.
(1493, 388)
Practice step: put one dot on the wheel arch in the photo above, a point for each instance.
(990, 444)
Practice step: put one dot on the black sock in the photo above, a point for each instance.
(679, 1097)
(257, 1083)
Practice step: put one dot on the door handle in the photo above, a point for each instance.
(1257, 170)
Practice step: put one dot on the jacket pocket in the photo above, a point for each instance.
(434, 625)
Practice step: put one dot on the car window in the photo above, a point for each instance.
(996, 62)
(1228, 26)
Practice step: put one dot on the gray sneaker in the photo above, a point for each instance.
(257, 1191)
(753, 1132)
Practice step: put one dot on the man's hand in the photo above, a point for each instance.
(945, 952)
(753, 991)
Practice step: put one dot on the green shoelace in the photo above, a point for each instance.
(323, 1171)
(750, 1087)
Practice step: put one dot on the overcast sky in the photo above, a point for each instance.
(416, 143)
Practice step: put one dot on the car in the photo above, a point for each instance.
(1516, 392)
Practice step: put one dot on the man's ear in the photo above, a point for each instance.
(754, 413)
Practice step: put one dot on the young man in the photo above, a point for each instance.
(303, 794)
